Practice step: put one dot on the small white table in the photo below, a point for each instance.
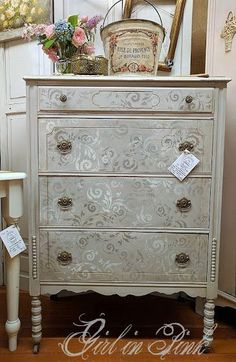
(11, 193)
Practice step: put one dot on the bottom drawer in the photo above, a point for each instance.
(105, 256)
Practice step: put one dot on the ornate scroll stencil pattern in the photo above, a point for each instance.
(123, 256)
(127, 100)
(164, 99)
(124, 202)
(122, 146)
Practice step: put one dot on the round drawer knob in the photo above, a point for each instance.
(189, 99)
(64, 258)
(64, 146)
(189, 146)
(63, 98)
(65, 203)
(184, 204)
(182, 260)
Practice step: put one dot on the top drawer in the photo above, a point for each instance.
(182, 100)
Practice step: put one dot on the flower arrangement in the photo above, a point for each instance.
(15, 13)
(60, 41)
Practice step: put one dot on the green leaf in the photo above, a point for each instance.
(73, 20)
(48, 43)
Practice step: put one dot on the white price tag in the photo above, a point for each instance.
(12, 240)
(184, 164)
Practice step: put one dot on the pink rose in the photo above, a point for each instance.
(89, 49)
(142, 68)
(51, 53)
(49, 31)
(79, 37)
(84, 19)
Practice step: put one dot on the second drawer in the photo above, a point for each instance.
(114, 202)
(122, 145)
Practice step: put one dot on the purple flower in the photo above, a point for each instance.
(93, 22)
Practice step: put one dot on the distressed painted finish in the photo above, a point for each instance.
(122, 146)
(123, 256)
(117, 202)
(157, 99)
(103, 208)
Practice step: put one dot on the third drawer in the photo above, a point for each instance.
(118, 202)
(88, 257)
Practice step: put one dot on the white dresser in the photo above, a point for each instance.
(105, 213)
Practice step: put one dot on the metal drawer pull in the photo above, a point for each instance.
(182, 260)
(189, 99)
(184, 204)
(64, 147)
(186, 146)
(63, 98)
(64, 258)
(65, 203)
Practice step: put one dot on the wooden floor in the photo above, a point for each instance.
(146, 314)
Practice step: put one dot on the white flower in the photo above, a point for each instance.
(15, 3)
(5, 24)
(40, 11)
(9, 13)
(24, 9)
(18, 22)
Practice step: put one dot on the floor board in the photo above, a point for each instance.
(146, 314)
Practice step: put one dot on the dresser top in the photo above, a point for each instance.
(127, 80)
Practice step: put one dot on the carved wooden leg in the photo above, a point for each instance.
(13, 323)
(36, 323)
(208, 323)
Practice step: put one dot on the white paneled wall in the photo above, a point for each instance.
(220, 63)
(18, 58)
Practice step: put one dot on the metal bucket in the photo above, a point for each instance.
(132, 46)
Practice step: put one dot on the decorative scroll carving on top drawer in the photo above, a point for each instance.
(186, 100)
(122, 257)
(122, 146)
(118, 202)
